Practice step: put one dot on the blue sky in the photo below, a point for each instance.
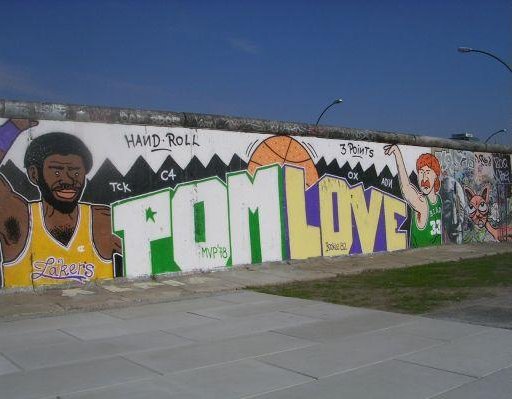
(394, 63)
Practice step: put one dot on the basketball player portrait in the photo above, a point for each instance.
(426, 223)
(74, 239)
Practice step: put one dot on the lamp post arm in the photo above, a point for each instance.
(493, 56)
(494, 134)
(323, 112)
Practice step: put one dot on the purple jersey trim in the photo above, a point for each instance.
(8, 133)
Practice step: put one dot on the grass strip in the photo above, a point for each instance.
(415, 290)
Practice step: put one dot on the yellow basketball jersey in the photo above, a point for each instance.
(45, 260)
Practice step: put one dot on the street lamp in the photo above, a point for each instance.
(337, 101)
(494, 134)
(470, 50)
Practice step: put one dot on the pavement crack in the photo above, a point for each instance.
(142, 365)
(475, 377)
(12, 361)
(202, 315)
(70, 335)
(288, 369)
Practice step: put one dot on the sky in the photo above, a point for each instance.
(394, 63)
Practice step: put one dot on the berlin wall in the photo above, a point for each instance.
(96, 193)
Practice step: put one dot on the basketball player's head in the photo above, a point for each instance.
(429, 170)
(57, 164)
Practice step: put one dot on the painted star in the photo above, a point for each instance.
(150, 214)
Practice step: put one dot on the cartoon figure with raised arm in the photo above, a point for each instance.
(478, 209)
(57, 238)
(426, 203)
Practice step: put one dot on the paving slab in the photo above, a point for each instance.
(89, 319)
(388, 380)
(247, 309)
(227, 381)
(153, 295)
(246, 297)
(345, 354)
(497, 385)
(438, 329)
(74, 352)
(325, 311)
(34, 339)
(6, 366)
(156, 309)
(148, 388)
(476, 355)
(120, 327)
(235, 380)
(205, 354)
(56, 381)
(356, 323)
(219, 329)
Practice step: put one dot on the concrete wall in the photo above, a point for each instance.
(91, 193)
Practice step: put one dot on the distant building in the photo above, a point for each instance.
(464, 136)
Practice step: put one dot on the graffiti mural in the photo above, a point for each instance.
(57, 237)
(476, 187)
(83, 201)
(426, 204)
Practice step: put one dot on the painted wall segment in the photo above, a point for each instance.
(83, 201)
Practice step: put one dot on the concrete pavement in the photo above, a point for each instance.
(121, 293)
(203, 336)
(250, 345)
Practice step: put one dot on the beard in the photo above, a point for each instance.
(62, 206)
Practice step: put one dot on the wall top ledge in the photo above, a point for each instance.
(85, 113)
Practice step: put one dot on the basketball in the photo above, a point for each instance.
(283, 150)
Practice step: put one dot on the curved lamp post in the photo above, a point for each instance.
(470, 50)
(337, 101)
(494, 134)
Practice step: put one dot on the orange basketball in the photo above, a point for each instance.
(283, 150)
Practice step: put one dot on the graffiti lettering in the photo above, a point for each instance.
(352, 176)
(356, 150)
(503, 176)
(138, 140)
(500, 163)
(484, 159)
(56, 269)
(165, 175)
(335, 246)
(164, 120)
(385, 182)
(453, 159)
(214, 252)
(122, 187)
(214, 223)
(181, 140)
(160, 143)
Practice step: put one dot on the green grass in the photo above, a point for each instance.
(418, 289)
